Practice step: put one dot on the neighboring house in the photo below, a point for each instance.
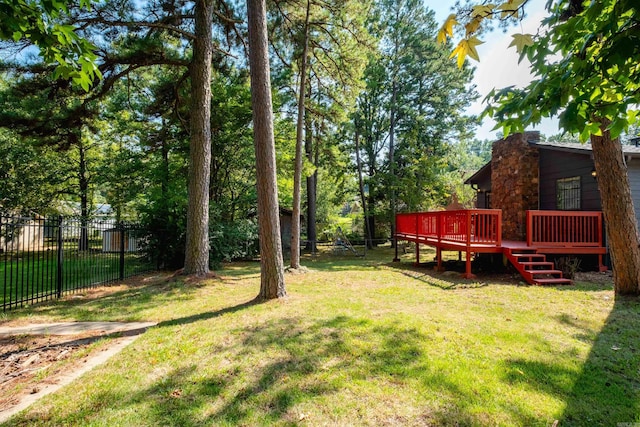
(526, 173)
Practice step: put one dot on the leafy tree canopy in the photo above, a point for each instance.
(43, 24)
(584, 57)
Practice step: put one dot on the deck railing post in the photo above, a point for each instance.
(499, 228)
(529, 230)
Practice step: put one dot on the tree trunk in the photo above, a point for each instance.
(618, 212)
(312, 183)
(297, 174)
(392, 124)
(367, 232)
(271, 266)
(197, 246)
(83, 243)
(312, 233)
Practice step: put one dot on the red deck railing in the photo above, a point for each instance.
(564, 228)
(469, 226)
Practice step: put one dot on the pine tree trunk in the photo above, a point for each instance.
(367, 232)
(272, 268)
(297, 174)
(618, 212)
(312, 233)
(312, 182)
(392, 124)
(197, 245)
(83, 181)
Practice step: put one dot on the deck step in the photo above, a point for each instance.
(535, 268)
(520, 255)
(536, 264)
(554, 281)
(550, 272)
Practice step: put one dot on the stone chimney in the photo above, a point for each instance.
(514, 181)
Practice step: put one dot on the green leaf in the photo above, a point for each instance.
(618, 125)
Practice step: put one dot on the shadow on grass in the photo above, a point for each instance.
(119, 305)
(281, 364)
(606, 388)
(445, 281)
(207, 315)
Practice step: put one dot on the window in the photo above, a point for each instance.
(568, 194)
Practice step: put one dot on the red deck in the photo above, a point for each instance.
(480, 231)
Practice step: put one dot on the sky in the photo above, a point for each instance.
(498, 66)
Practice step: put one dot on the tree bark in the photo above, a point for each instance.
(83, 181)
(392, 131)
(367, 233)
(312, 183)
(297, 174)
(271, 265)
(312, 233)
(618, 212)
(197, 245)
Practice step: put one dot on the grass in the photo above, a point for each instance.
(357, 342)
(35, 274)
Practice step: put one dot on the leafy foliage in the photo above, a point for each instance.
(412, 90)
(44, 23)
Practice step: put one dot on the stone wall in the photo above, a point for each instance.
(514, 177)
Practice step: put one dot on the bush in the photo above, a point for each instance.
(233, 241)
(568, 265)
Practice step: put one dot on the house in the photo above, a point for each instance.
(535, 199)
(528, 174)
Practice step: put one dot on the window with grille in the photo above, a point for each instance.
(568, 194)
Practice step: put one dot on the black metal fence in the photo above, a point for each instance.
(44, 258)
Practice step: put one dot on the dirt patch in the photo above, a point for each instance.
(600, 278)
(30, 362)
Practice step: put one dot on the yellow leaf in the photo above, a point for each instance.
(521, 40)
(472, 26)
(482, 10)
(510, 8)
(471, 46)
(447, 28)
(460, 52)
(466, 47)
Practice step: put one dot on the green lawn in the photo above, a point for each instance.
(36, 273)
(357, 342)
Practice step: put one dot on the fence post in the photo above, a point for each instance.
(122, 234)
(60, 256)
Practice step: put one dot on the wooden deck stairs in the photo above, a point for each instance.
(535, 268)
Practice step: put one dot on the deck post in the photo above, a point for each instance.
(417, 263)
(468, 274)
(601, 266)
(395, 240)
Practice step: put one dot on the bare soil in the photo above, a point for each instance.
(28, 362)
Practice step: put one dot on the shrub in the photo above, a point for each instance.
(233, 240)
(568, 265)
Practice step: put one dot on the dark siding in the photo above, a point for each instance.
(559, 164)
(482, 201)
(633, 169)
